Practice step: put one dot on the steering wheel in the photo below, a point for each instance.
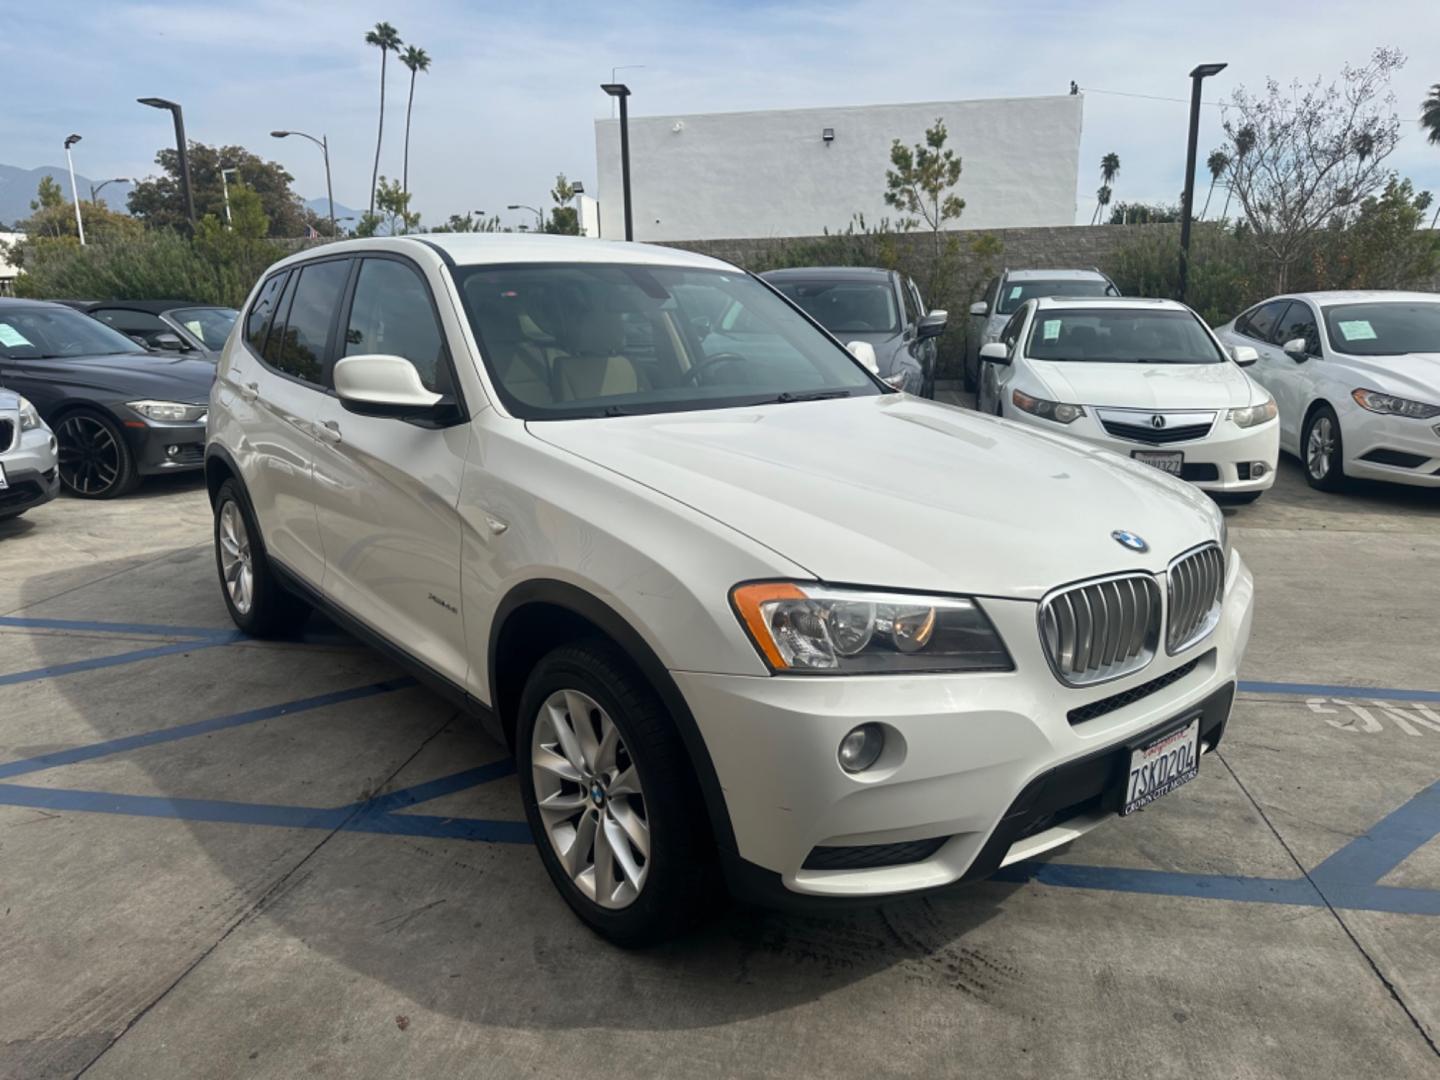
(710, 361)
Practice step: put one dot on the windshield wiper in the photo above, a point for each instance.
(787, 396)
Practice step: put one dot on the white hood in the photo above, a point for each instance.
(1413, 375)
(1144, 386)
(901, 492)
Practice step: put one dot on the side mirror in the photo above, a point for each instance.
(865, 353)
(996, 353)
(380, 385)
(168, 342)
(1243, 355)
(980, 307)
(932, 325)
(1297, 350)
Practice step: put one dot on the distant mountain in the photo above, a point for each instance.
(321, 206)
(17, 189)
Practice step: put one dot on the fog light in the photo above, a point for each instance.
(171, 451)
(1258, 469)
(861, 747)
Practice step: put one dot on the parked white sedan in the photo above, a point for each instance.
(1144, 378)
(1357, 379)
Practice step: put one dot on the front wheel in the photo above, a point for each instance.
(611, 798)
(95, 461)
(1324, 450)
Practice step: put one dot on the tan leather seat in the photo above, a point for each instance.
(595, 366)
(517, 363)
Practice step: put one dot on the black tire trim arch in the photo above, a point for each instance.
(221, 454)
(592, 609)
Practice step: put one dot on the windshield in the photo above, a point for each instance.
(1017, 292)
(38, 333)
(575, 340)
(210, 325)
(1121, 336)
(846, 307)
(1384, 329)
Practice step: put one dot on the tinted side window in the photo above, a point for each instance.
(1298, 322)
(919, 301)
(258, 320)
(1259, 322)
(276, 337)
(992, 293)
(301, 349)
(1012, 329)
(912, 315)
(391, 313)
(132, 322)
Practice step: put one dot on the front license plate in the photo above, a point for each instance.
(1171, 461)
(1160, 767)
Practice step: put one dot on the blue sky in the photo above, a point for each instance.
(513, 91)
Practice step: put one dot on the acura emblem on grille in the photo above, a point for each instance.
(1157, 421)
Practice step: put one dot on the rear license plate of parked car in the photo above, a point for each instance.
(1171, 461)
(1161, 766)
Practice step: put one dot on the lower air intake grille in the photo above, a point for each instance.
(7, 434)
(1156, 436)
(1129, 697)
(869, 856)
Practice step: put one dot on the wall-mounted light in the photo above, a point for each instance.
(679, 127)
(828, 134)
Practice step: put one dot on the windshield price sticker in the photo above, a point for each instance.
(1016, 291)
(1357, 330)
(13, 338)
(1052, 329)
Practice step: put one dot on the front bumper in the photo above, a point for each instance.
(1220, 462)
(972, 750)
(1392, 448)
(162, 448)
(30, 472)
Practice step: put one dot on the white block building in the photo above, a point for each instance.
(795, 172)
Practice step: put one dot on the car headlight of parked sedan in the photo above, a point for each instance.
(170, 412)
(29, 418)
(1253, 415)
(1390, 405)
(1058, 411)
(817, 630)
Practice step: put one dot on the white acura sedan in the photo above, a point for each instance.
(745, 615)
(1357, 379)
(1144, 378)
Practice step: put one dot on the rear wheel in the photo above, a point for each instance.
(1323, 450)
(258, 603)
(610, 797)
(95, 462)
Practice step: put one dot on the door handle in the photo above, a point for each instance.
(250, 391)
(329, 430)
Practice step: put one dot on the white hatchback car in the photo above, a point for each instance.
(745, 615)
(1357, 379)
(1144, 378)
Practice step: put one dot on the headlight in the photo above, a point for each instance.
(169, 412)
(1255, 414)
(818, 630)
(1050, 410)
(1390, 405)
(29, 418)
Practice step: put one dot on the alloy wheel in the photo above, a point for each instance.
(91, 459)
(588, 792)
(1320, 448)
(237, 567)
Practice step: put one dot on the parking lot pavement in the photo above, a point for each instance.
(224, 857)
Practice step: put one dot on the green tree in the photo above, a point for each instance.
(1143, 213)
(387, 39)
(921, 183)
(417, 60)
(1430, 121)
(469, 223)
(53, 218)
(392, 216)
(1381, 247)
(1109, 170)
(564, 219)
(1217, 163)
(159, 202)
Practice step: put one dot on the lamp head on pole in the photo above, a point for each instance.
(71, 140)
(158, 103)
(616, 90)
(1204, 71)
(279, 134)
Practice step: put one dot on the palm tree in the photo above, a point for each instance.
(1244, 143)
(1430, 121)
(1102, 200)
(1109, 170)
(1217, 163)
(417, 60)
(387, 39)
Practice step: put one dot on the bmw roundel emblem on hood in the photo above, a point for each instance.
(1126, 538)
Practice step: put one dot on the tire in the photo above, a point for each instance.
(643, 786)
(259, 605)
(1324, 462)
(95, 461)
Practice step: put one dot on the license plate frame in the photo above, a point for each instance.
(1161, 764)
(1167, 461)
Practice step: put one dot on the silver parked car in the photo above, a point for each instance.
(28, 463)
(1005, 294)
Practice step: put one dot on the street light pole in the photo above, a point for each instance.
(1199, 75)
(180, 147)
(539, 214)
(324, 143)
(70, 141)
(95, 189)
(621, 91)
(225, 189)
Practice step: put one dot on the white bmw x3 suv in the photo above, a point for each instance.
(1144, 378)
(744, 614)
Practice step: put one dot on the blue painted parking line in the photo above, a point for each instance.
(1328, 690)
(1368, 858)
(130, 629)
(51, 671)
